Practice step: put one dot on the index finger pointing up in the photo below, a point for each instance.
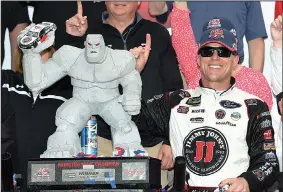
(148, 41)
(80, 8)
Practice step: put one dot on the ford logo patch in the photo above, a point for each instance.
(229, 104)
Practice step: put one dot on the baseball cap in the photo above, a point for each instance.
(219, 30)
(219, 23)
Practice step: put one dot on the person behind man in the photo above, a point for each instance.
(245, 15)
(15, 18)
(276, 86)
(224, 133)
(58, 12)
(276, 80)
(123, 28)
(276, 55)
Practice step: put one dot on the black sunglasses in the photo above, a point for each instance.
(221, 51)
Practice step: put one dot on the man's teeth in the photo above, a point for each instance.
(215, 66)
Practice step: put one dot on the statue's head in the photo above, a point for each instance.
(94, 48)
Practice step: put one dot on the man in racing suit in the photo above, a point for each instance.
(224, 133)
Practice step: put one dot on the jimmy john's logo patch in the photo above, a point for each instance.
(206, 151)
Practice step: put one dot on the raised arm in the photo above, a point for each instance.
(185, 44)
(276, 55)
(156, 8)
(77, 25)
(39, 76)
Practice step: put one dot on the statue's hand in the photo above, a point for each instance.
(45, 42)
(131, 103)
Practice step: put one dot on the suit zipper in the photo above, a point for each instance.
(125, 40)
(33, 100)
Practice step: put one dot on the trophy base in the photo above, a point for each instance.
(133, 174)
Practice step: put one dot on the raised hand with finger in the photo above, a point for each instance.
(142, 53)
(77, 25)
(276, 32)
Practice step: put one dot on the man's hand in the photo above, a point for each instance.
(157, 7)
(239, 184)
(276, 32)
(77, 25)
(166, 157)
(142, 53)
(183, 5)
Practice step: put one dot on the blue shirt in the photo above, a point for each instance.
(244, 15)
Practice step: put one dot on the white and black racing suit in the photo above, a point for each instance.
(222, 135)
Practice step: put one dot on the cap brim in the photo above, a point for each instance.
(215, 41)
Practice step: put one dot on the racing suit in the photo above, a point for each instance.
(222, 135)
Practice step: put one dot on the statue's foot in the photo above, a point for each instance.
(120, 151)
(129, 150)
(62, 145)
(137, 150)
(60, 152)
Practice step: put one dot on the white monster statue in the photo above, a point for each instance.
(95, 71)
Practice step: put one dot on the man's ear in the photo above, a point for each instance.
(198, 60)
(236, 60)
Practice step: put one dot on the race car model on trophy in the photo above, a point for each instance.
(96, 72)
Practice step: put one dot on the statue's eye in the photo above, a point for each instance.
(89, 44)
(97, 44)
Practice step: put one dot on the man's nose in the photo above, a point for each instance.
(215, 55)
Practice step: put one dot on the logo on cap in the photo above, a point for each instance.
(213, 23)
(234, 32)
(216, 34)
